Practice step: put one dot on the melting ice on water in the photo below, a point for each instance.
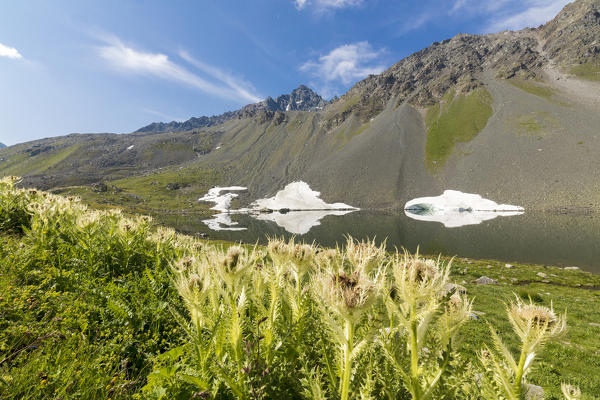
(297, 208)
(454, 208)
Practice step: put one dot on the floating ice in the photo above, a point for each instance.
(454, 208)
(298, 196)
(222, 201)
(305, 207)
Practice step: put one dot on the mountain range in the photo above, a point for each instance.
(512, 116)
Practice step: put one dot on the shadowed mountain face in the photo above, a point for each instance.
(512, 116)
(2, 145)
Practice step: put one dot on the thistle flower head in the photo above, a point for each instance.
(535, 324)
(348, 294)
(571, 392)
(328, 259)
(297, 256)
(232, 258)
(365, 255)
(418, 280)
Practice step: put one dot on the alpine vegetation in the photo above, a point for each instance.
(97, 304)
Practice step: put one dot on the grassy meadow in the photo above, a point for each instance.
(95, 304)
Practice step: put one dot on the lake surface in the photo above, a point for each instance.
(537, 238)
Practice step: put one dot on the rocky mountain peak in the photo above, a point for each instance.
(2, 145)
(300, 99)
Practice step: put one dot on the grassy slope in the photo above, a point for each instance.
(457, 119)
(534, 88)
(573, 291)
(149, 193)
(589, 71)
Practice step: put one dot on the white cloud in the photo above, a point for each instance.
(346, 64)
(537, 13)
(9, 52)
(509, 14)
(127, 59)
(243, 88)
(323, 5)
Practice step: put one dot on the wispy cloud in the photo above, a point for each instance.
(345, 64)
(509, 14)
(10, 52)
(324, 5)
(537, 13)
(243, 88)
(128, 59)
(164, 117)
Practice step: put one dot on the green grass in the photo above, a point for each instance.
(90, 307)
(533, 124)
(535, 88)
(589, 71)
(149, 194)
(459, 119)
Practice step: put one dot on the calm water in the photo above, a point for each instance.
(539, 238)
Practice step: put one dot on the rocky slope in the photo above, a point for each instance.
(512, 116)
(300, 99)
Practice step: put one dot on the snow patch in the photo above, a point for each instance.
(222, 201)
(454, 208)
(303, 208)
(298, 196)
(130, 147)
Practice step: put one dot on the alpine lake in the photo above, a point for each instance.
(544, 238)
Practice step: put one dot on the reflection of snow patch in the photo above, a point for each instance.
(298, 196)
(454, 209)
(299, 222)
(217, 221)
(222, 201)
(130, 147)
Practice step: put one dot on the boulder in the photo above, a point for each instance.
(456, 288)
(99, 187)
(534, 392)
(484, 280)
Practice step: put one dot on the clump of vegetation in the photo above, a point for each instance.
(457, 119)
(534, 87)
(95, 304)
(589, 71)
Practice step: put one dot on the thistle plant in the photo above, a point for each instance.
(534, 325)
(570, 392)
(365, 255)
(345, 296)
(419, 309)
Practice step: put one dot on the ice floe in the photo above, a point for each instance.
(222, 201)
(298, 196)
(297, 208)
(454, 208)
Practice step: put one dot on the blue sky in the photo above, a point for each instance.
(116, 65)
